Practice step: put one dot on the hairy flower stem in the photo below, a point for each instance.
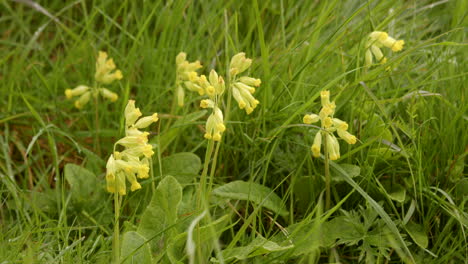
(96, 122)
(327, 171)
(116, 240)
(202, 187)
(212, 171)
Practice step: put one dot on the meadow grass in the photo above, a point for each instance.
(398, 195)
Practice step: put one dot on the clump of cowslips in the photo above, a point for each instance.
(214, 87)
(133, 161)
(186, 76)
(329, 125)
(106, 73)
(377, 40)
(243, 86)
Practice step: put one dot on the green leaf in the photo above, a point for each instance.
(177, 128)
(176, 248)
(397, 193)
(160, 216)
(417, 233)
(83, 184)
(183, 166)
(378, 208)
(135, 249)
(352, 171)
(259, 246)
(252, 192)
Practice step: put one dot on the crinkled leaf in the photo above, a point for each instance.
(352, 171)
(161, 214)
(253, 192)
(83, 184)
(184, 166)
(417, 233)
(135, 249)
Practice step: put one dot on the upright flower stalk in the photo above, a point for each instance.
(241, 87)
(325, 136)
(128, 163)
(375, 41)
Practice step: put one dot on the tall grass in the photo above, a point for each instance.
(410, 119)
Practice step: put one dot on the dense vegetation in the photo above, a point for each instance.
(259, 194)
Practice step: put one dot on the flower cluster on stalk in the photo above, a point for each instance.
(186, 76)
(243, 86)
(329, 125)
(133, 160)
(377, 40)
(106, 73)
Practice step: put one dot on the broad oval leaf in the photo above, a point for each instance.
(135, 249)
(184, 166)
(161, 214)
(417, 233)
(252, 192)
(352, 170)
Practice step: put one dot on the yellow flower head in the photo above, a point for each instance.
(105, 74)
(328, 126)
(215, 125)
(377, 40)
(133, 161)
(243, 87)
(105, 69)
(186, 76)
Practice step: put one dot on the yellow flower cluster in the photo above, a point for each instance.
(243, 87)
(214, 87)
(377, 40)
(133, 161)
(105, 74)
(187, 76)
(328, 125)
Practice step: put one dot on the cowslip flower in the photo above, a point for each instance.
(133, 160)
(329, 125)
(106, 73)
(243, 87)
(186, 75)
(214, 87)
(377, 40)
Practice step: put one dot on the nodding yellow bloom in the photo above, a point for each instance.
(105, 69)
(310, 119)
(105, 74)
(83, 100)
(377, 40)
(243, 87)
(328, 126)
(213, 85)
(316, 145)
(215, 125)
(133, 161)
(186, 75)
(239, 63)
(79, 90)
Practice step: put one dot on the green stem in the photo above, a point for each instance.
(202, 187)
(116, 247)
(327, 171)
(96, 121)
(212, 171)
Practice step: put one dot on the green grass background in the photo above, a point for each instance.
(298, 48)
